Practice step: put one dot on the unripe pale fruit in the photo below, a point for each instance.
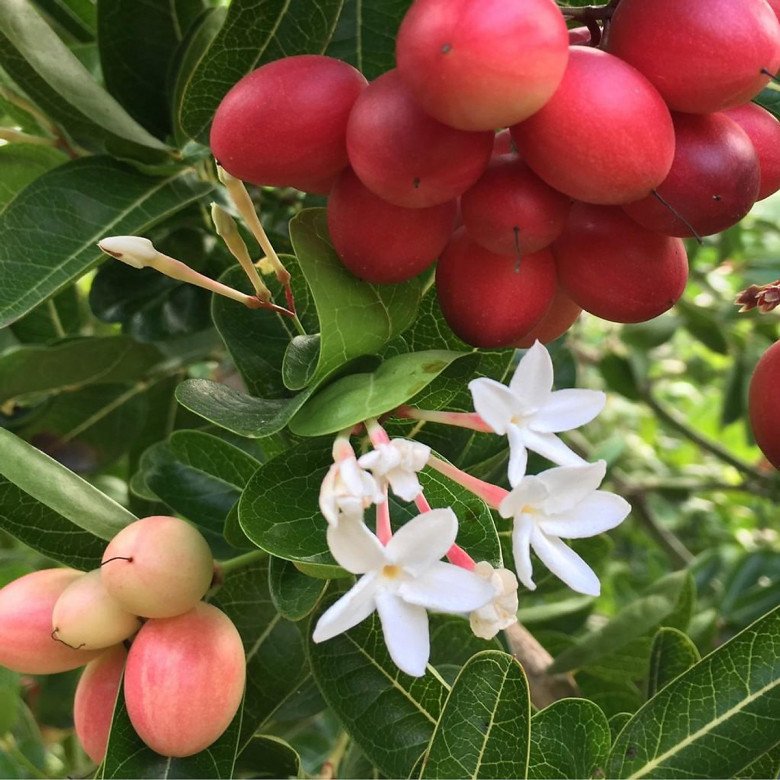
(486, 299)
(510, 207)
(561, 315)
(162, 567)
(701, 55)
(764, 404)
(93, 705)
(713, 181)
(87, 616)
(26, 606)
(380, 242)
(184, 680)
(405, 156)
(482, 64)
(605, 136)
(284, 124)
(616, 269)
(763, 129)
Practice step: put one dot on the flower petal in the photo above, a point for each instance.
(354, 547)
(494, 403)
(352, 476)
(352, 608)
(521, 550)
(568, 485)
(405, 484)
(447, 588)
(595, 514)
(533, 378)
(405, 627)
(567, 409)
(551, 447)
(564, 563)
(423, 540)
(529, 491)
(518, 454)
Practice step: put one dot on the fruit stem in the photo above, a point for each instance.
(590, 13)
(240, 562)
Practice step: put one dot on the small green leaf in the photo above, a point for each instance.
(358, 397)
(571, 739)
(704, 326)
(54, 222)
(268, 757)
(712, 721)
(78, 17)
(21, 164)
(671, 654)
(453, 642)
(618, 722)
(49, 508)
(293, 593)
(390, 715)
(620, 376)
(58, 317)
(483, 730)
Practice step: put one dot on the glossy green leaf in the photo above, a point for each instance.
(355, 318)
(21, 164)
(74, 363)
(671, 654)
(268, 757)
(43, 66)
(390, 715)
(49, 508)
(9, 699)
(453, 642)
(766, 765)
(483, 729)
(293, 593)
(275, 652)
(253, 33)
(78, 17)
(715, 719)
(617, 723)
(121, 201)
(135, 75)
(571, 739)
(54, 319)
(358, 397)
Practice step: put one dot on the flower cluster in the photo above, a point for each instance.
(402, 574)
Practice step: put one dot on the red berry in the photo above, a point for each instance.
(764, 404)
(763, 129)
(561, 315)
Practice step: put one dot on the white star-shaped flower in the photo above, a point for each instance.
(401, 581)
(561, 503)
(347, 490)
(530, 412)
(501, 611)
(397, 463)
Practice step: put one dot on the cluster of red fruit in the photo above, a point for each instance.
(185, 670)
(616, 153)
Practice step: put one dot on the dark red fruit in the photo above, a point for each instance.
(606, 135)
(482, 64)
(561, 315)
(510, 209)
(764, 404)
(284, 124)
(763, 129)
(713, 181)
(485, 298)
(405, 156)
(382, 243)
(701, 55)
(616, 269)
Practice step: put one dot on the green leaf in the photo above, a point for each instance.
(51, 75)
(253, 33)
(54, 319)
(49, 508)
(355, 318)
(668, 602)
(365, 34)
(483, 730)
(704, 326)
(620, 376)
(21, 164)
(238, 412)
(74, 363)
(712, 721)
(276, 657)
(9, 699)
(78, 17)
(618, 722)
(671, 654)
(137, 50)
(570, 738)
(268, 757)
(390, 715)
(766, 765)
(453, 642)
(293, 593)
(121, 202)
(358, 397)
(735, 392)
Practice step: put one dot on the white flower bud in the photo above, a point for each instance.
(501, 611)
(133, 250)
(397, 463)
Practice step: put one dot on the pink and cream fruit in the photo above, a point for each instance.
(26, 606)
(284, 124)
(87, 616)
(157, 567)
(482, 64)
(184, 680)
(93, 706)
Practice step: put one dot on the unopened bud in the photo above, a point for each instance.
(501, 611)
(133, 250)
